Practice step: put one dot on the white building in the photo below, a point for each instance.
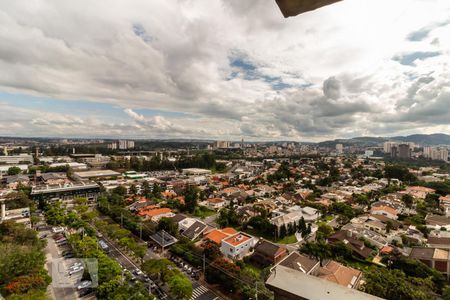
(339, 148)
(16, 159)
(436, 153)
(237, 245)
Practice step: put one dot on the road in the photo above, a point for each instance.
(200, 292)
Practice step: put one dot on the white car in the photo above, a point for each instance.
(76, 270)
(84, 284)
(138, 272)
(58, 229)
(76, 265)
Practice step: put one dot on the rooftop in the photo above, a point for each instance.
(238, 239)
(302, 286)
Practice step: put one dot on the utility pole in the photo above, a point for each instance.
(204, 265)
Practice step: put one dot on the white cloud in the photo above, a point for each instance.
(177, 56)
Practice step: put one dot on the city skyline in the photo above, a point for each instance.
(224, 70)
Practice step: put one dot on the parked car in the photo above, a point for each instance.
(85, 292)
(68, 255)
(65, 252)
(58, 229)
(138, 272)
(76, 270)
(84, 284)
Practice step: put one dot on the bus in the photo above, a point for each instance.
(104, 246)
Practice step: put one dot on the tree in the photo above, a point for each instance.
(168, 225)
(320, 250)
(394, 284)
(324, 230)
(133, 189)
(180, 286)
(190, 198)
(145, 190)
(14, 170)
(398, 172)
(120, 190)
(341, 250)
(408, 200)
(432, 201)
(388, 226)
(55, 214)
(283, 231)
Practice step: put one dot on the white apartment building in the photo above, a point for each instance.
(436, 153)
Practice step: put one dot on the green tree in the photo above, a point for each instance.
(180, 286)
(14, 170)
(323, 231)
(394, 284)
(168, 225)
(408, 200)
(190, 198)
(133, 189)
(320, 250)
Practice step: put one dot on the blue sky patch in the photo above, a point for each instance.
(410, 58)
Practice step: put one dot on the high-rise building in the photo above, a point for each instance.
(339, 148)
(436, 153)
(404, 151)
(221, 144)
(121, 144)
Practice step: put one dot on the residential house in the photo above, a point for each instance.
(156, 214)
(437, 222)
(216, 203)
(419, 192)
(438, 259)
(300, 262)
(340, 274)
(195, 230)
(266, 253)
(237, 245)
(357, 246)
(385, 210)
(217, 235)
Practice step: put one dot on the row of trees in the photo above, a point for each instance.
(204, 160)
(164, 270)
(22, 260)
(110, 280)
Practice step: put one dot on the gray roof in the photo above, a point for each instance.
(194, 230)
(163, 238)
(302, 286)
(297, 261)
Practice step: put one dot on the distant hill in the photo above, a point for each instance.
(425, 139)
(422, 139)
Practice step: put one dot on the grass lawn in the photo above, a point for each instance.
(203, 212)
(252, 269)
(290, 239)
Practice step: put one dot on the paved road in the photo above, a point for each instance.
(200, 292)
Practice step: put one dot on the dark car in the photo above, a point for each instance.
(85, 292)
(68, 255)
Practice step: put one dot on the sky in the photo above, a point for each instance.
(223, 69)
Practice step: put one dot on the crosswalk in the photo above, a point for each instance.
(199, 291)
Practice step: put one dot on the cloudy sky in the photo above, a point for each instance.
(223, 69)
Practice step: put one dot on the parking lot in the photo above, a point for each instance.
(65, 270)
